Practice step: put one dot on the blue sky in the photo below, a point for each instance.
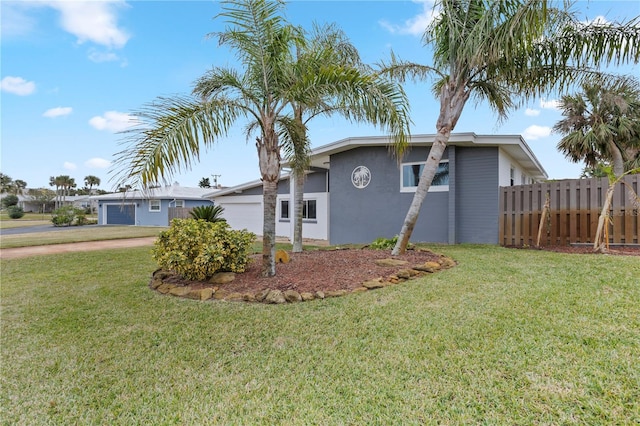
(73, 72)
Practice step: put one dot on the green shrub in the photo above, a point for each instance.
(196, 249)
(208, 213)
(65, 215)
(10, 200)
(15, 212)
(386, 243)
(81, 217)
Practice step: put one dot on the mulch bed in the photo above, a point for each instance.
(319, 270)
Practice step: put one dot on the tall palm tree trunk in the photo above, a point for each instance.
(298, 195)
(616, 156)
(601, 242)
(452, 101)
(269, 160)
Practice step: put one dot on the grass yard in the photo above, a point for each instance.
(79, 234)
(507, 337)
(29, 219)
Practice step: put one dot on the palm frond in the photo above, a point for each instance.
(169, 138)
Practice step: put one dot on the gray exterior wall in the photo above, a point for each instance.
(476, 195)
(362, 215)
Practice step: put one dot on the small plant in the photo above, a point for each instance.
(15, 212)
(385, 243)
(65, 215)
(197, 249)
(208, 213)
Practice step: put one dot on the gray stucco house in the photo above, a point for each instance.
(356, 191)
(147, 208)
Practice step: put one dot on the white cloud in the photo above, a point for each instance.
(113, 121)
(69, 166)
(94, 21)
(57, 112)
(536, 132)
(98, 57)
(17, 86)
(416, 25)
(550, 104)
(97, 163)
(532, 112)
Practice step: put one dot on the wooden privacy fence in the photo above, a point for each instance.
(574, 208)
(179, 213)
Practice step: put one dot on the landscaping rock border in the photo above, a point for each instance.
(161, 282)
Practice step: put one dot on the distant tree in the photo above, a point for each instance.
(56, 181)
(19, 186)
(91, 181)
(5, 182)
(10, 200)
(598, 171)
(41, 196)
(204, 183)
(602, 123)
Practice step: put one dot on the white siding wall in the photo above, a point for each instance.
(245, 212)
(505, 163)
(317, 229)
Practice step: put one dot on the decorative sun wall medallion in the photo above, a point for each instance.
(360, 177)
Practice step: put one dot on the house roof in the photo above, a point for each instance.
(514, 145)
(173, 192)
(239, 188)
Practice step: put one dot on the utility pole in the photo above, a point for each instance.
(215, 180)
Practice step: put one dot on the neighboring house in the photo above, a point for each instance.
(147, 208)
(356, 191)
(30, 206)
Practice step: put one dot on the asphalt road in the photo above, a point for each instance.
(39, 228)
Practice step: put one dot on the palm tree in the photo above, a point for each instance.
(504, 52)
(173, 129)
(58, 182)
(91, 181)
(19, 186)
(204, 183)
(602, 123)
(208, 213)
(329, 48)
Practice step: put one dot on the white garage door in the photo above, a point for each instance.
(243, 216)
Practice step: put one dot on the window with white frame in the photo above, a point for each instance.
(410, 176)
(154, 205)
(284, 209)
(180, 203)
(309, 210)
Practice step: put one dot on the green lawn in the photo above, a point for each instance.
(79, 234)
(508, 337)
(29, 219)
